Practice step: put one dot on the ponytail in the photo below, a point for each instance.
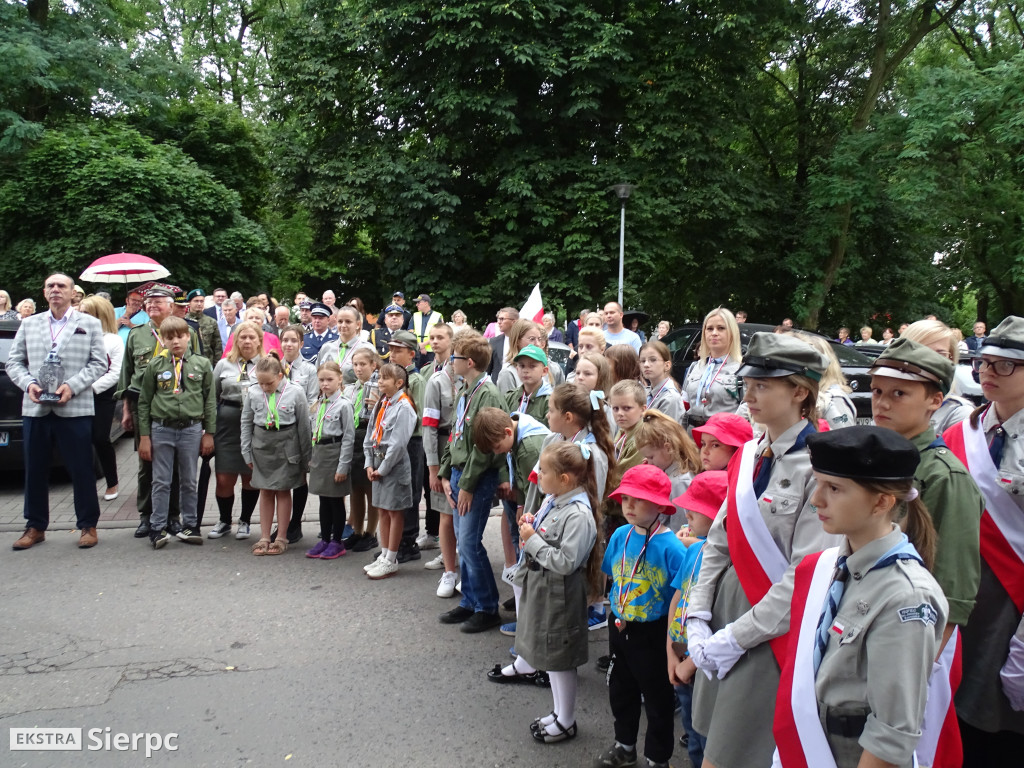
(574, 399)
(911, 514)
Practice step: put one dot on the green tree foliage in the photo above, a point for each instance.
(87, 190)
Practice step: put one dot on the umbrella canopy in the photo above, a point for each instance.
(123, 268)
(634, 314)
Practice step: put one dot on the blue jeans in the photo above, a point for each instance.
(168, 443)
(479, 589)
(73, 437)
(695, 743)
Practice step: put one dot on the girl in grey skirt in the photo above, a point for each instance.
(387, 464)
(276, 445)
(333, 436)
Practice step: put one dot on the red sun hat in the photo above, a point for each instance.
(705, 494)
(647, 482)
(726, 428)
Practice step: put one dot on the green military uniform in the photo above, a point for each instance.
(159, 402)
(210, 345)
(535, 405)
(416, 388)
(525, 454)
(138, 351)
(460, 450)
(946, 488)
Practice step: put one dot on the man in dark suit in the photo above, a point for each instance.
(219, 297)
(499, 344)
(58, 353)
(977, 341)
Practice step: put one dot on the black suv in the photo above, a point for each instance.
(684, 343)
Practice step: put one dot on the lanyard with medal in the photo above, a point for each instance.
(620, 601)
(460, 417)
(321, 416)
(707, 379)
(655, 395)
(273, 416)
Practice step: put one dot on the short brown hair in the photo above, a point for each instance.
(630, 388)
(172, 327)
(476, 348)
(489, 428)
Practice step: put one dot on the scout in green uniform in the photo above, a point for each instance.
(177, 419)
(205, 327)
(908, 383)
(143, 342)
(532, 395)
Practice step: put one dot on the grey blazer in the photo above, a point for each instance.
(82, 355)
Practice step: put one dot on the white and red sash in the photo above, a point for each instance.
(800, 740)
(1002, 524)
(757, 558)
(940, 745)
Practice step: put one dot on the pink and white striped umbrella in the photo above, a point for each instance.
(123, 268)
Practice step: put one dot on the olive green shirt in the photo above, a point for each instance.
(195, 401)
(138, 350)
(460, 450)
(417, 388)
(955, 504)
(209, 336)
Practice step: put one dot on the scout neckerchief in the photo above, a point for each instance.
(156, 335)
(344, 351)
(273, 416)
(620, 602)
(378, 430)
(706, 380)
(177, 361)
(326, 406)
(652, 396)
(287, 369)
(243, 370)
(357, 407)
(462, 408)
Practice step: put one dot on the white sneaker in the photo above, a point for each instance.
(508, 573)
(370, 566)
(426, 541)
(458, 586)
(242, 531)
(383, 570)
(219, 530)
(446, 584)
(436, 564)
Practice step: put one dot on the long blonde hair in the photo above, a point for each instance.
(234, 355)
(102, 310)
(833, 375)
(735, 352)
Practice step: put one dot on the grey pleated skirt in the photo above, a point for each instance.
(276, 459)
(322, 466)
(227, 442)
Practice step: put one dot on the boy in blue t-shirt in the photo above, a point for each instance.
(644, 560)
(702, 500)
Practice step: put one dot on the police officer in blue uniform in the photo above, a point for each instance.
(320, 335)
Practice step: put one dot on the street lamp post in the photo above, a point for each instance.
(622, 190)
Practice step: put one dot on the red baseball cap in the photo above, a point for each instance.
(647, 482)
(726, 428)
(705, 494)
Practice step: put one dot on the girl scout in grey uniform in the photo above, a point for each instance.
(232, 377)
(712, 384)
(771, 526)
(299, 371)
(276, 444)
(390, 426)
(863, 646)
(333, 438)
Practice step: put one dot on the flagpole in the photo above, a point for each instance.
(622, 190)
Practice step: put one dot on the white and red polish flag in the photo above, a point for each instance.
(533, 309)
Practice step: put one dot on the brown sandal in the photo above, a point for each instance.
(278, 546)
(261, 547)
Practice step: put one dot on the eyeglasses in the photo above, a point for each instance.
(459, 357)
(1001, 367)
(532, 339)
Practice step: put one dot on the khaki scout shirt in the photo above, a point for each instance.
(194, 402)
(138, 351)
(886, 634)
(209, 335)
(723, 395)
(955, 505)
(794, 526)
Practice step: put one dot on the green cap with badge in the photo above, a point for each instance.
(405, 339)
(911, 361)
(1006, 339)
(533, 352)
(771, 355)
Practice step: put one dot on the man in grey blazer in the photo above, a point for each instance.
(77, 340)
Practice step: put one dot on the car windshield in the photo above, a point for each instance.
(851, 357)
(5, 347)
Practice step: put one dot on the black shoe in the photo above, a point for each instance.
(366, 543)
(407, 552)
(190, 535)
(143, 530)
(174, 527)
(159, 539)
(480, 622)
(510, 604)
(351, 541)
(295, 535)
(603, 662)
(456, 615)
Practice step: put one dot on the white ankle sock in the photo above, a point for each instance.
(392, 556)
(518, 667)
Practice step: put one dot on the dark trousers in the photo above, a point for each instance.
(203, 487)
(101, 423)
(144, 495)
(417, 462)
(332, 518)
(639, 664)
(41, 434)
(985, 750)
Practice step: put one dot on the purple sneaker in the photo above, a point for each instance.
(333, 551)
(317, 551)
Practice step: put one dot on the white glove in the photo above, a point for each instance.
(1012, 674)
(723, 651)
(697, 634)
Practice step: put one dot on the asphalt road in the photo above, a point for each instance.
(262, 661)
